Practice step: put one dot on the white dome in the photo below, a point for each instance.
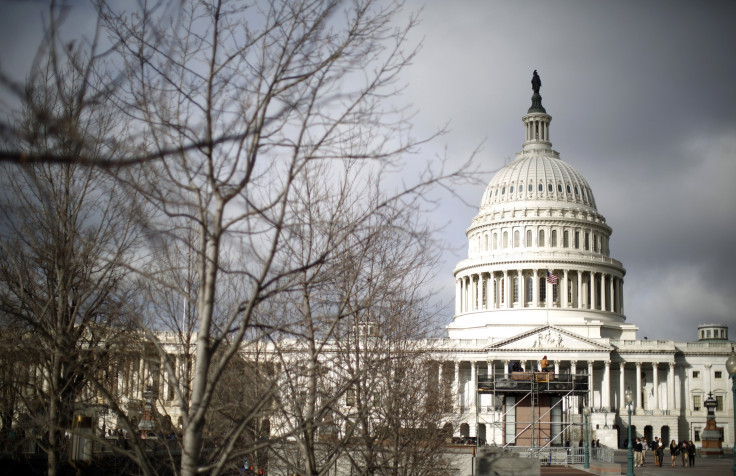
(537, 177)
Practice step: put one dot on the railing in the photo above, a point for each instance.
(555, 455)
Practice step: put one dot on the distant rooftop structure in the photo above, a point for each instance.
(713, 332)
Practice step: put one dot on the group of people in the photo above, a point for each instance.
(685, 449)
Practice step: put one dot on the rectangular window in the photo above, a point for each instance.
(554, 239)
(719, 403)
(529, 289)
(718, 374)
(516, 290)
(697, 434)
(542, 289)
(577, 240)
(350, 397)
(566, 239)
(696, 374)
(586, 242)
(696, 402)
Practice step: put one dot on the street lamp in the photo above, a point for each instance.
(586, 414)
(629, 397)
(731, 368)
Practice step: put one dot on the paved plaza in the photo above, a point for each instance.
(703, 466)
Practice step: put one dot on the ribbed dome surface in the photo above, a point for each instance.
(537, 177)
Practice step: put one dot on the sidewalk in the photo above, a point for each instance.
(709, 466)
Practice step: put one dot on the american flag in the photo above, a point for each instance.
(551, 278)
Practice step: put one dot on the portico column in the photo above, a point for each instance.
(638, 385)
(573, 372)
(473, 384)
(655, 367)
(606, 393)
(590, 383)
(621, 387)
(603, 292)
(565, 290)
(557, 367)
(671, 387)
(580, 290)
(505, 369)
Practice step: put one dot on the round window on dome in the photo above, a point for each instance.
(496, 192)
(568, 189)
(511, 189)
(531, 188)
(549, 187)
(503, 191)
(541, 187)
(559, 188)
(576, 190)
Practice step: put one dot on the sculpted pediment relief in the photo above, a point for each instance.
(548, 338)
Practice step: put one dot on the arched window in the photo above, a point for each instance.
(485, 242)
(516, 238)
(495, 241)
(505, 239)
(528, 238)
(540, 241)
(586, 242)
(553, 239)
(566, 239)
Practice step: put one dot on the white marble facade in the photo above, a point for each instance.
(539, 280)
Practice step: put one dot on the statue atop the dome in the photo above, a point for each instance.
(536, 82)
(536, 98)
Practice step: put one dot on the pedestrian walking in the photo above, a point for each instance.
(691, 453)
(674, 451)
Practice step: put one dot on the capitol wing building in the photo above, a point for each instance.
(539, 282)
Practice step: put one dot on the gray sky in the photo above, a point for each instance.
(642, 97)
(643, 103)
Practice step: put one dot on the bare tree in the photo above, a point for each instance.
(298, 88)
(65, 247)
(272, 201)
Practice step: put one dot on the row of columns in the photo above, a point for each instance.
(475, 292)
(605, 389)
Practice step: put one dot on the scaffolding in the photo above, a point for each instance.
(532, 408)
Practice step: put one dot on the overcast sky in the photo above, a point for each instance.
(642, 96)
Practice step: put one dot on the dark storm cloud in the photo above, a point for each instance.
(642, 105)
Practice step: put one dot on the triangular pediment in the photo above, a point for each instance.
(548, 338)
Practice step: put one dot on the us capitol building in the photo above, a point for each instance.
(539, 281)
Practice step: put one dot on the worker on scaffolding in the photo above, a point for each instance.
(545, 364)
